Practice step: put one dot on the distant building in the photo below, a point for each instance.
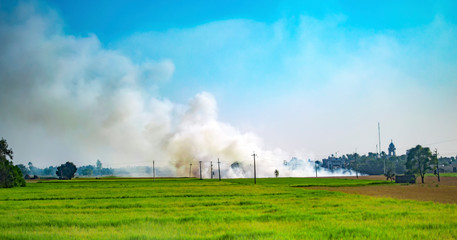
(333, 162)
(392, 149)
(449, 168)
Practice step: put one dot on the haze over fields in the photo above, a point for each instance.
(178, 82)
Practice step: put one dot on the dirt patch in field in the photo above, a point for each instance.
(432, 190)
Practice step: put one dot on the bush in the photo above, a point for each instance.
(66, 171)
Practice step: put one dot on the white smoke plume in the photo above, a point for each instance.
(67, 98)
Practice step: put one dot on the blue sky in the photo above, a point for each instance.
(112, 20)
(307, 77)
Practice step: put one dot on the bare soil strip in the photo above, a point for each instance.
(444, 191)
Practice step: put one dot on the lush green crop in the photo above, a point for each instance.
(209, 209)
(443, 174)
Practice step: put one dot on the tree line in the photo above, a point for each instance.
(417, 161)
(31, 172)
(14, 175)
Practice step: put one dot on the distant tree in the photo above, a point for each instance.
(418, 160)
(390, 175)
(370, 164)
(10, 175)
(87, 171)
(50, 171)
(24, 169)
(66, 171)
(34, 170)
(353, 163)
(99, 165)
(390, 167)
(148, 170)
(107, 171)
(276, 173)
(4, 150)
(399, 164)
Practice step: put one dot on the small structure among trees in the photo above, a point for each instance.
(405, 179)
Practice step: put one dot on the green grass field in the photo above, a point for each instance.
(442, 174)
(209, 209)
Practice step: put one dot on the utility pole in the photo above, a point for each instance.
(377, 151)
(200, 170)
(315, 167)
(190, 170)
(255, 177)
(211, 169)
(219, 167)
(379, 137)
(356, 166)
(380, 151)
(153, 172)
(437, 164)
(61, 171)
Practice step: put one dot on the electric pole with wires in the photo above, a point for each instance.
(219, 168)
(255, 177)
(200, 170)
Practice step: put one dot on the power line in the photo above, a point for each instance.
(448, 152)
(444, 141)
(433, 143)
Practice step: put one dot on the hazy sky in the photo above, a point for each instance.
(82, 80)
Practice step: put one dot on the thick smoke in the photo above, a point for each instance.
(67, 98)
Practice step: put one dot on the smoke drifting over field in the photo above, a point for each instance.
(68, 98)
